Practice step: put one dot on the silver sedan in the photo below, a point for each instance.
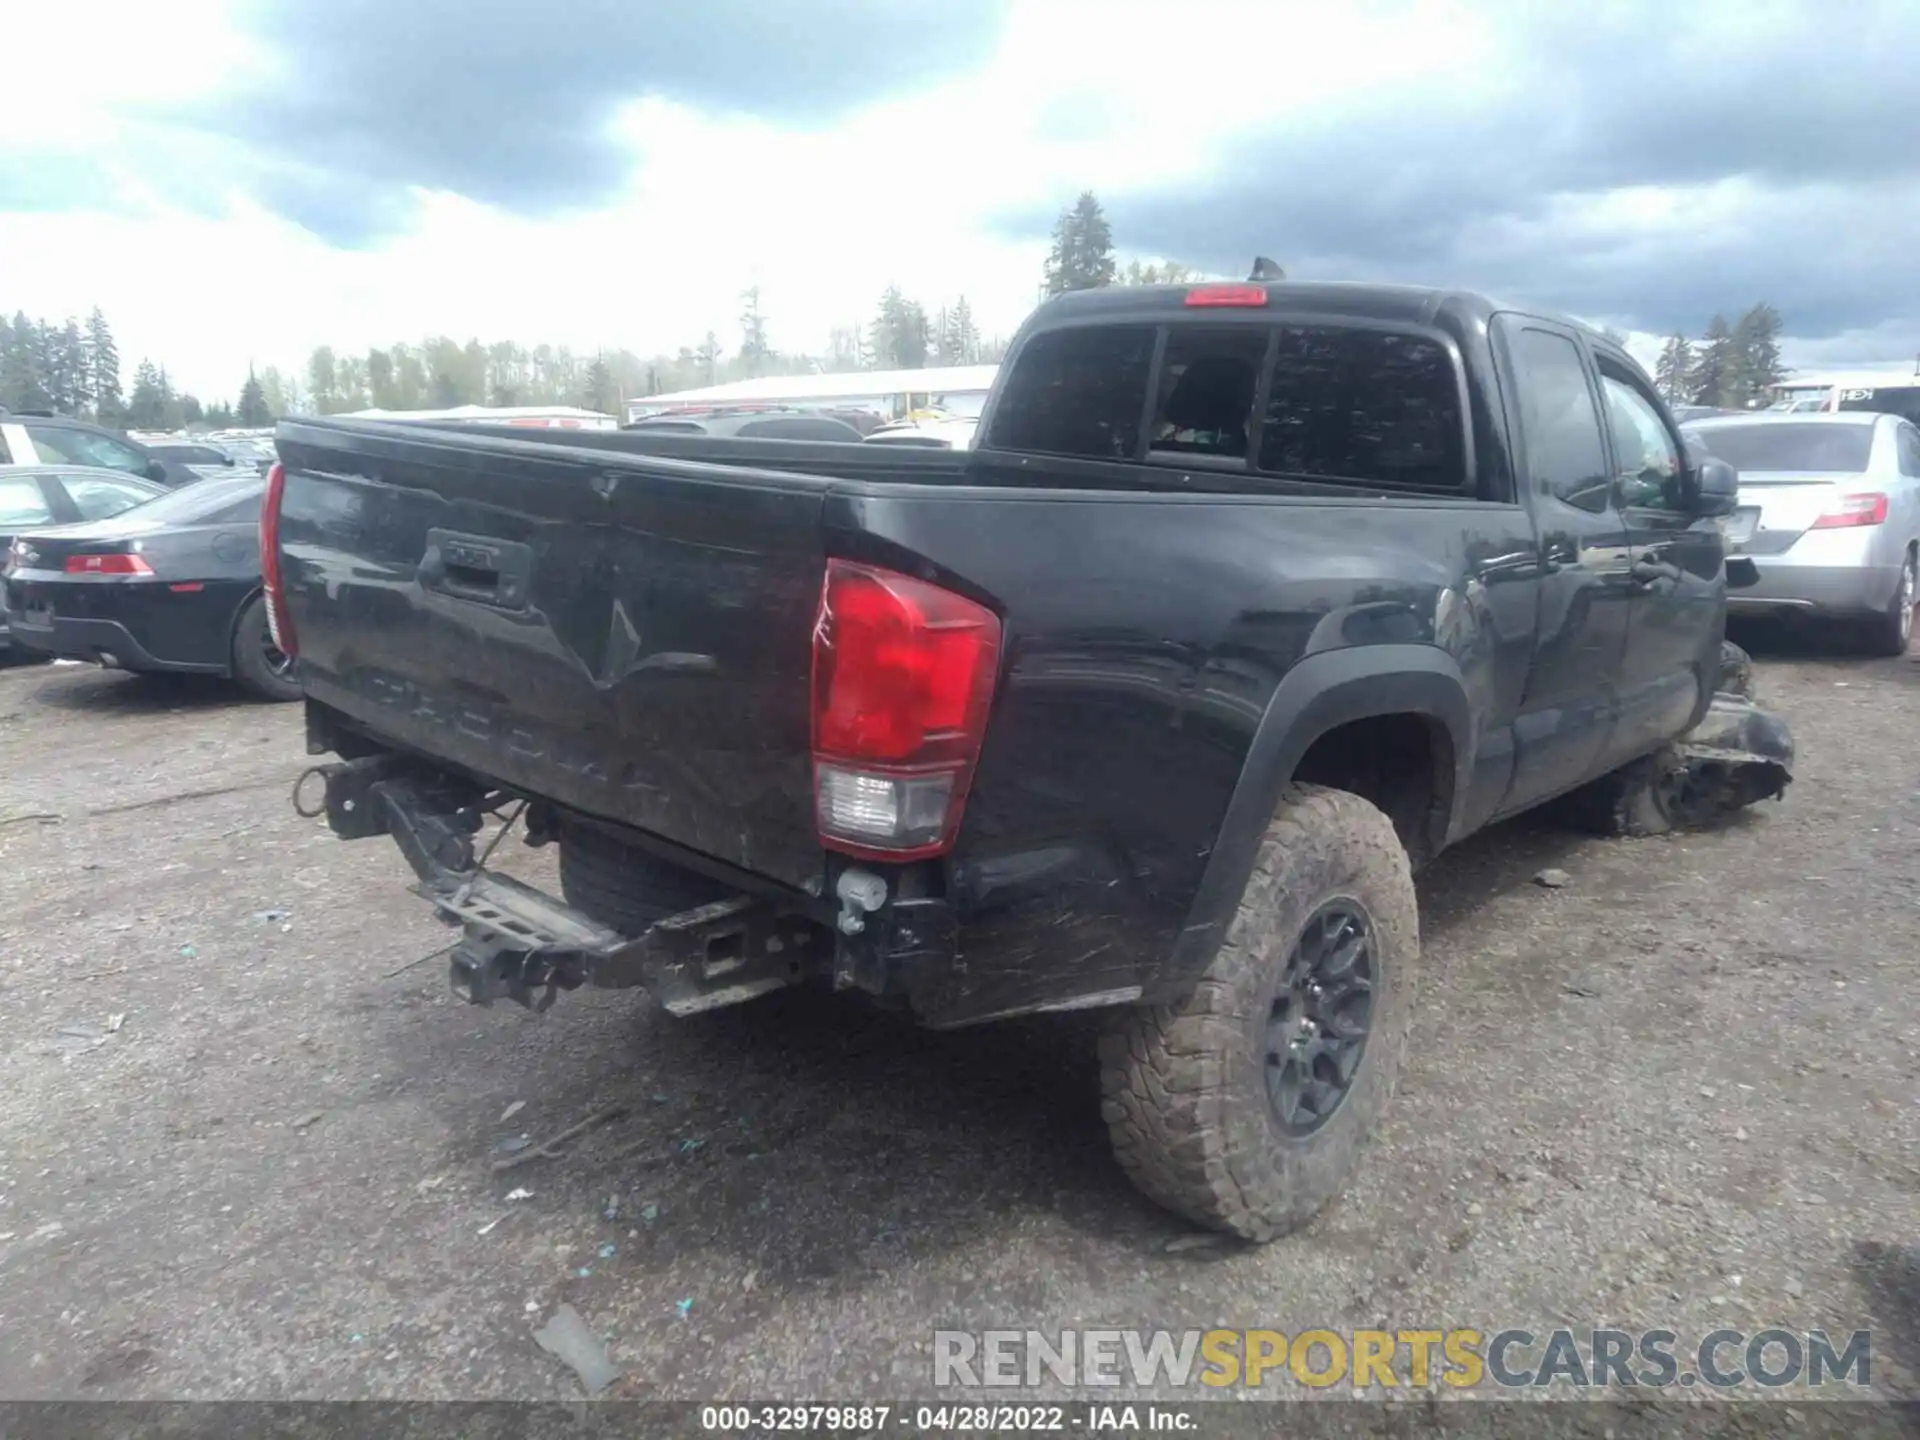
(1829, 515)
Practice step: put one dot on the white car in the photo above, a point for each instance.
(942, 433)
(1829, 515)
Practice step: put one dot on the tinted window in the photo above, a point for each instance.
(1901, 400)
(1364, 405)
(670, 427)
(1909, 450)
(1077, 392)
(1814, 445)
(190, 454)
(60, 446)
(1207, 380)
(207, 502)
(97, 497)
(1560, 428)
(21, 503)
(1649, 461)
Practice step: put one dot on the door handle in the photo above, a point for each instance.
(1648, 571)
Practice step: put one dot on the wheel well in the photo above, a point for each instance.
(1402, 763)
(233, 624)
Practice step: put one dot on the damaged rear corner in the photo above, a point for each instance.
(518, 943)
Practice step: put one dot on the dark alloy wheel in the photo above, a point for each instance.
(1242, 1102)
(1318, 1024)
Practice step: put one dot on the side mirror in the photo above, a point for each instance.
(157, 470)
(1718, 489)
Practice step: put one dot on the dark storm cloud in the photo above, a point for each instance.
(508, 101)
(1476, 180)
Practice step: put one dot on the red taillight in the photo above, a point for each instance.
(1854, 510)
(1227, 296)
(903, 676)
(120, 564)
(279, 623)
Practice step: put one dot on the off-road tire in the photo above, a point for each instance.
(624, 887)
(1891, 634)
(1183, 1084)
(250, 668)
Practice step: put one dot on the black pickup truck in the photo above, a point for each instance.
(1250, 599)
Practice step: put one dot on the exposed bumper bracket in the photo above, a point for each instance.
(521, 944)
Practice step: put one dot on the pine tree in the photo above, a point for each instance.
(902, 333)
(754, 353)
(273, 394)
(1672, 375)
(1082, 254)
(67, 379)
(172, 415)
(23, 382)
(1707, 381)
(960, 338)
(146, 406)
(598, 393)
(253, 411)
(708, 358)
(103, 370)
(1755, 356)
(320, 379)
(380, 379)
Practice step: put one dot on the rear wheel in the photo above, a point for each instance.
(258, 663)
(1243, 1105)
(624, 887)
(1892, 633)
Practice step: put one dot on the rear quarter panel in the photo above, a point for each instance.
(1146, 636)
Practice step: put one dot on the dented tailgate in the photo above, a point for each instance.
(628, 635)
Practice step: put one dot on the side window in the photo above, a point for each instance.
(1366, 406)
(1909, 450)
(61, 446)
(1649, 461)
(21, 504)
(1565, 456)
(1207, 382)
(97, 497)
(1077, 392)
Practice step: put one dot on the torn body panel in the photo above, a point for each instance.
(1737, 755)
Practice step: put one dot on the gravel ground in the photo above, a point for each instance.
(1679, 1091)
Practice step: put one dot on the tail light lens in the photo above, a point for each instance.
(126, 563)
(903, 676)
(1854, 510)
(279, 623)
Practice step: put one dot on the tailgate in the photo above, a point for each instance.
(627, 635)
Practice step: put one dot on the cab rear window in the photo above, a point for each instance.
(1323, 404)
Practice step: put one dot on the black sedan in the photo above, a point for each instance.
(173, 585)
(33, 497)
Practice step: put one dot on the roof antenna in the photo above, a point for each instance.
(1266, 270)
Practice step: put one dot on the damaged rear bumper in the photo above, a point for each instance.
(521, 944)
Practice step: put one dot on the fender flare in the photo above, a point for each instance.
(1320, 693)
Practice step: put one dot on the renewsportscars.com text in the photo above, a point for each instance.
(1386, 1360)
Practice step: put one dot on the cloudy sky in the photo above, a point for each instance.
(236, 179)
